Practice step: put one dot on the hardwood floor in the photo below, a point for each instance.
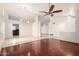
(43, 47)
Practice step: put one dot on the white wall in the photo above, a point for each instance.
(62, 24)
(8, 30)
(71, 36)
(63, 28)
(66, 27)
(36, 28)
(2, 33)
(70, 32)
(2, 27)
(24, 29)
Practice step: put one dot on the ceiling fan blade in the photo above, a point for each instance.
(51, 8)
(43, 12)
(57, 11)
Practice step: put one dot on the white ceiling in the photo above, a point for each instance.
(32, 9)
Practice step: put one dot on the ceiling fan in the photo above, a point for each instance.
(51, 10)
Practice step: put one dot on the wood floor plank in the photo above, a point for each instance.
(43, 47)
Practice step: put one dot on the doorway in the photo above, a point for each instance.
(15, 30)
(44, 29)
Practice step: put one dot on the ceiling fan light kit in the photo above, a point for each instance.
(51, 10)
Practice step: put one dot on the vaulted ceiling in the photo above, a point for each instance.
(32, 9)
